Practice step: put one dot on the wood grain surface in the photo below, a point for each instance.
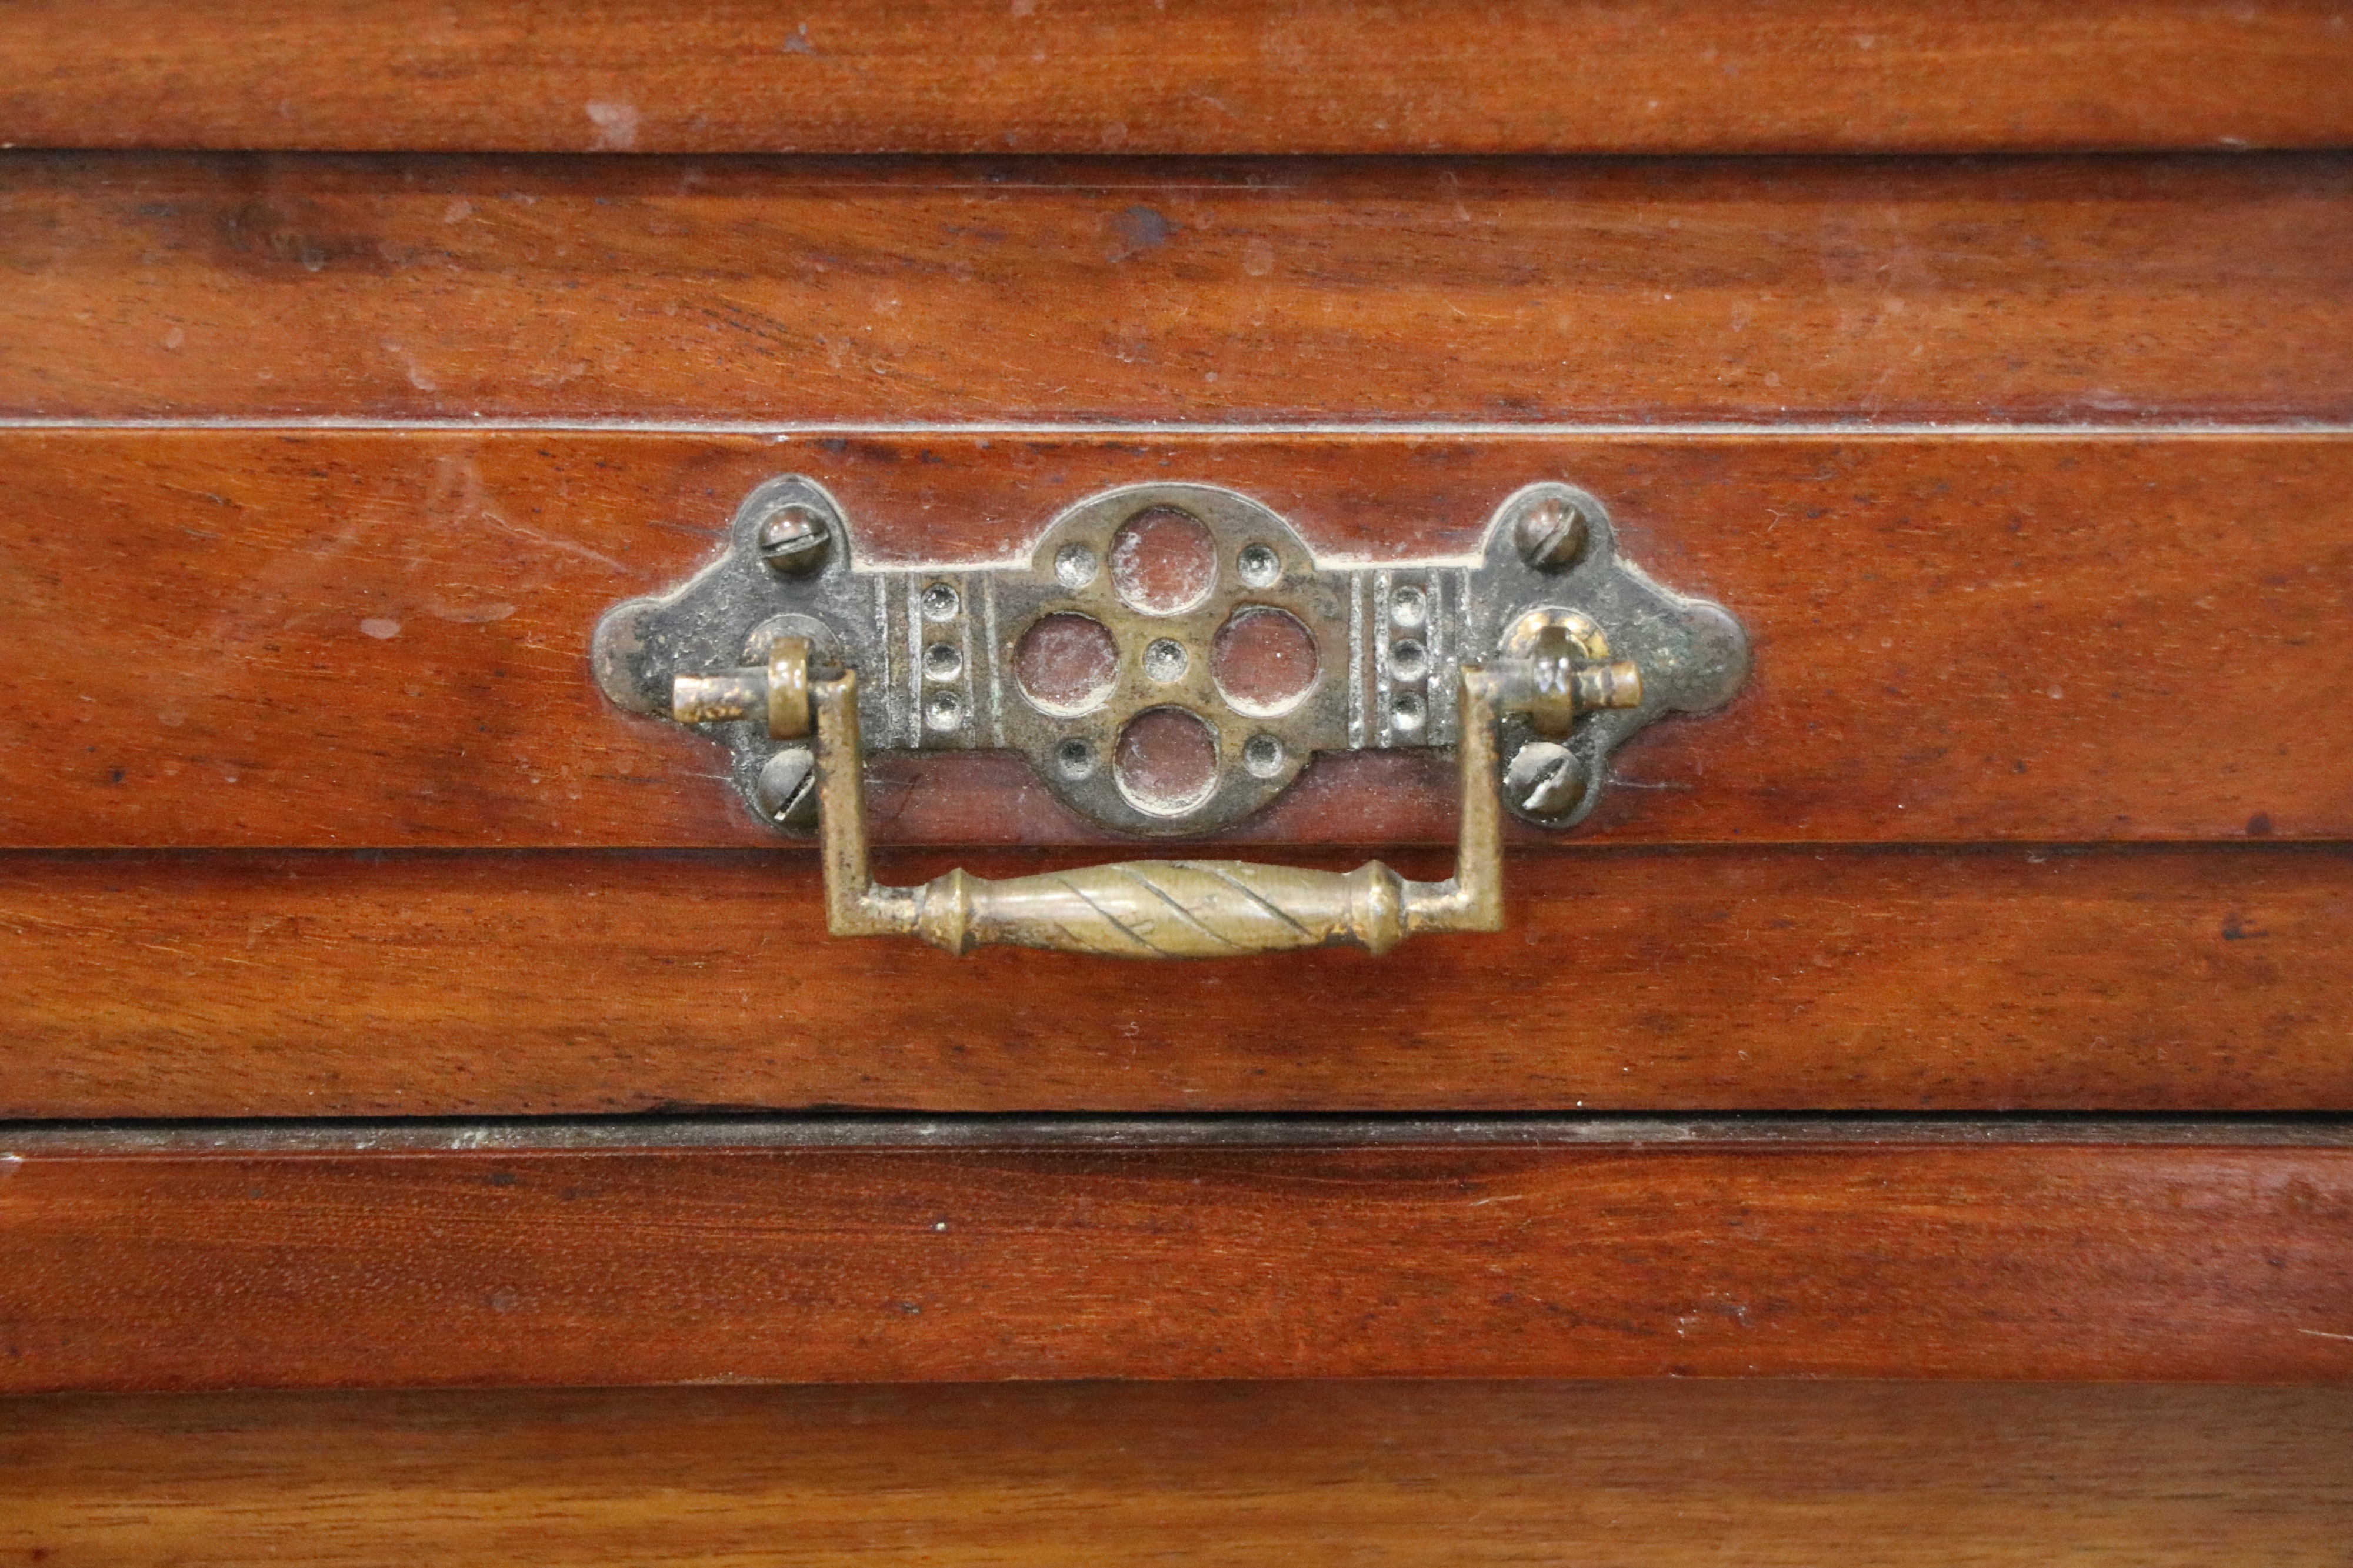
(1995, 1261)
(1647, 76)
(1765, 290)
(482, 984)
(372, 638)
(1639, 1475)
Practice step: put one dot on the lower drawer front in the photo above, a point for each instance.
(359, 1256)
(2034, 798)
(1421, 1475)
(2146, 978)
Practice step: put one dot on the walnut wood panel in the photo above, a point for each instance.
(1778, 1475)
(2002, 1261)
(478, 984)
(993, 290)
(1647, 76)
(372, 638)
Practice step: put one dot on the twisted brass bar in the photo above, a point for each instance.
(1161, 909)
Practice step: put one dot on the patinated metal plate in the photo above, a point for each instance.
(1142, 619)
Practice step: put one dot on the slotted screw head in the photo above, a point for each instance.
(786, 790)
(794, 540)
(1544, 780)
(1552, 535)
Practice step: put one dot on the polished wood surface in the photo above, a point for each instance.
(1441, 76)
(2191, 1263)
(1639, 1475)
(361, 639)
(2028, 476)
(2104, 290)
(458, 984)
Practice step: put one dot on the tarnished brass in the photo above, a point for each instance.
(1150, 630)
(788, 687)
(1566, 679)
(777, 691)
(1169, 657)
(1162, 908)
(1564, 657)
(719, 697)
(1204, 909)
(1169, 909)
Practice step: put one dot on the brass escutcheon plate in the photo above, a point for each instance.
(1173, 621)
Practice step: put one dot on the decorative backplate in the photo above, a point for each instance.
(1168, 656)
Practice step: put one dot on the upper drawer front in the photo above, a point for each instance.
(2030, 481)
(861, 292)
(2104, 608)
(363, 639)
(1233, 76)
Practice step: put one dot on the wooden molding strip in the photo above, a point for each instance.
(1408, 292)
(1127, 76)
(2193, 1263)
(1414, 1475)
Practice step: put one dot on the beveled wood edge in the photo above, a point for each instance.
(1550, 848)
(642, 1135)
(2160, 424)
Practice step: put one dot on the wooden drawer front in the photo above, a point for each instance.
(392, 1002)
(376, 639)
(368, 1258)
(2028, 478)
(461, 983)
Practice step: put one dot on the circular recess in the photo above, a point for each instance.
(1258, 565)
(1165, 660)
(1406, 711)
(942, 662)
(824, 643)
(1167, 762)
(943, 711)
(941, 602)
(1263, 756)
(1408, 660)
(1163, 560)
(1075, 566)
(1409, 607)
(1065, 663)
(1264, 661)
(1075, 758)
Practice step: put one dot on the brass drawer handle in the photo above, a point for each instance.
(1161, 909)
(1172, 909)
(1501, 655)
